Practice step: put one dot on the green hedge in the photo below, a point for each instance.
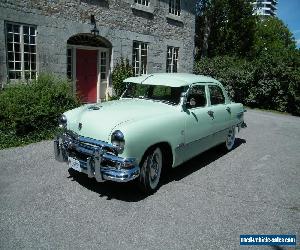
(29, 111)
(268, 82)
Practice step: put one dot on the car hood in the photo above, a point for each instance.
(98, 121)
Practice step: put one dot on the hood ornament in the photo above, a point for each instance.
(80, 126)
(94, 107)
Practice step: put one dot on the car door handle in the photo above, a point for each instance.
(210, 113)
(228, 109)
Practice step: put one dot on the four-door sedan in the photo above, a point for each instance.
(160, 121)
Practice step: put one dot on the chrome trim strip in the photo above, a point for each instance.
(241, 124)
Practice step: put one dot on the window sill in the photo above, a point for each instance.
(143, 8)
(174, 17)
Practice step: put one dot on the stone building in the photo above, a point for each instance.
(83, 39)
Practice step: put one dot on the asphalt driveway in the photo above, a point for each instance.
(204, 204)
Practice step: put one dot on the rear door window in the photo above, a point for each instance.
(216, 95)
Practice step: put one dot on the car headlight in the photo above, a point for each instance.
(117, 140)
(62, 121)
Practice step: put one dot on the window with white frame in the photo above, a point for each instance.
(174, 7)
(172, 59)
(103, 65)
(70, 63)
(139, 57)
(21, 51)
(142, 2)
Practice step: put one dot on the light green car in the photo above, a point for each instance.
(160, 121)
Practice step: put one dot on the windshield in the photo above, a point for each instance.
(166, 94)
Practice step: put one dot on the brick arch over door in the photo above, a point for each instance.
(89, 61)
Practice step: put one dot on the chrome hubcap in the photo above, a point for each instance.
(154, 165)
(230, 138)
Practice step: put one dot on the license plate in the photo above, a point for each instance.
(73, 163)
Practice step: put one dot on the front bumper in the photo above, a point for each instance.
(95, 158)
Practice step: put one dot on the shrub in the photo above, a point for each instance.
(121, 71)
(235, 74)
(29, 111)
(269, 82)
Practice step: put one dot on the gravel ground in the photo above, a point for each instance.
(205, 203)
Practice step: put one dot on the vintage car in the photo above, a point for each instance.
(160, 121)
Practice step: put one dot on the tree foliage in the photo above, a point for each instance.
(224, 27)
(256, 58)
(121, 71)
(272, 37)
(266, 82)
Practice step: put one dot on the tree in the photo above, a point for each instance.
(272, 37)
(224, 27)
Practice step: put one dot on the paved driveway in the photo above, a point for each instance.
(204, 204)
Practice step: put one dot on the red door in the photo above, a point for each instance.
(86, 75)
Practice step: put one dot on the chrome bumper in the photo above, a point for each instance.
(97, 158)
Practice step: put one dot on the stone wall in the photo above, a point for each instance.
(118, 21)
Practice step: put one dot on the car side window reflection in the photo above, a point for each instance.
(196, 97)
(216, 95)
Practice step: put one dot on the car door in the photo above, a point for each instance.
(198, 122)
(220, 112)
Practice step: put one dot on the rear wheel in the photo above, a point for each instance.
(151, 169)
(230, 139)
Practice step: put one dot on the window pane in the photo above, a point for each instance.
(32, 31)
(17, 47)
(103, 76)
(10, 47)
(33, 66)
(33, 57)
(33, 75)
(27, 65)
(216, 95)
(69, 63)
(175, 67)
(9, 28)
(18, 66)
(11, 65)
(16, 28)
(18, 75)
(32, 39)
(18, 57)
(26, 57)
(10, 56)
(26, 39)
(16, 38)
(27, 74)
(32, 48)
(26, 30)
(26, 48)
(9, 37)
(11, 75)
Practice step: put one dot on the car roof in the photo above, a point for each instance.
(171, 79)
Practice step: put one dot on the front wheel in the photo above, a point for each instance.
(151, 170)
(230, 139)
